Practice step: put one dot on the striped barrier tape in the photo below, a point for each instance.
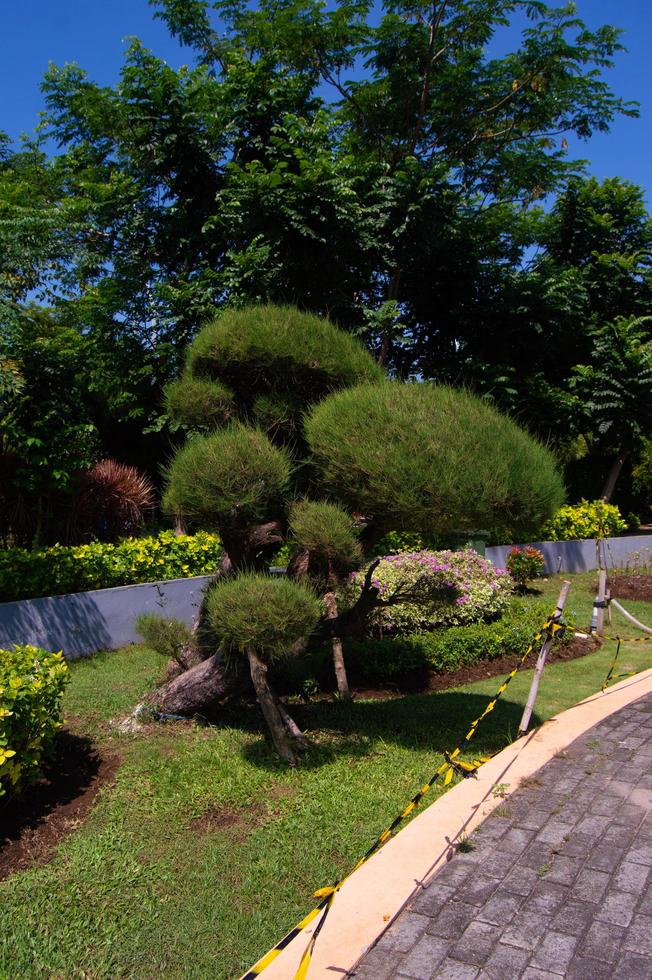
(451, 766)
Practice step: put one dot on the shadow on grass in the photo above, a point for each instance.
(431, 722)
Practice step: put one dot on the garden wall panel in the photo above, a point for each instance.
(82, 623)
(580, 556)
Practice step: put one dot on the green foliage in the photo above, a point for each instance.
(198, 404)
(166, 636)
(426, 458)
(32, 683)
(447, 649)
(268, 613)
(525, 564)
(232, 476)
(588, 519)
(274, 350)
(60, 570)
(327, 532)
(441, 588)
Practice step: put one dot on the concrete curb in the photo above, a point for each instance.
(381, 888)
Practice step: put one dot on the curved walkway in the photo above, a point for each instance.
(559, 881)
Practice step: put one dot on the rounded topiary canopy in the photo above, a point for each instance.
(425, 457)
(326, 531)
(268, 348)
(229, 477)
(199, 403)
(268, 614)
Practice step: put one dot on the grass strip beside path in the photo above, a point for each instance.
(207, 849)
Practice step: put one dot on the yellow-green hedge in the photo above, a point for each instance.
(60, 570)
(32, 682)
(588, 519)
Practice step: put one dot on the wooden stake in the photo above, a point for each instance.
(602, 592)
(541, 661)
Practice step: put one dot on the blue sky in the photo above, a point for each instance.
(93, 32)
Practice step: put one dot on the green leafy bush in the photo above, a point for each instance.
(447, 649)
(453, 587)
(60, 570)
(32, 682)
(268, 613)
(525, 564)
(588, 519)
(429, 459)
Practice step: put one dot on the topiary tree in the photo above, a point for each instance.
(306, 409)
(325, 548)
(263, 619)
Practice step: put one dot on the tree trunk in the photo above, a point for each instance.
(338, 655)
(612, 478)
(199, 689)
(269, 707)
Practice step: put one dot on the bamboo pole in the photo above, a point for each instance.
(541, 661)
(635, 622)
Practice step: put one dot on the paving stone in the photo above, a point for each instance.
(587, 968)
(516, 840)
(590, 885)
(629, 816)
(547, 897)
(631, 967)
(521, 880)
(501, 908)
(556, 831)
(606, 857)
(615, 787)
(578, 846)
(555, 952)
(536, 854)
(426, 956)
(532, 973)
(505, 962)
(478, 890)
(452, 920)
(526, 930)
(638, 937)
(617, 907)
(564, 869)
(433, 898)
(454, 873)
(641, 852)
(606, 806)
(593, 826)
(404, 932)
(573, 918)
(602, 941)
(631, 877)
(454, 970)
(477, 943)
(378, 964)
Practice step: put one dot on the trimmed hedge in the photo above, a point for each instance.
(60, 570)
(588, 519)
(32, 682)
(442, 650)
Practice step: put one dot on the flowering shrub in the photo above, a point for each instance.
(32, 682)
(588, 519)
(524, 564)
(446, 588)
(59, 570)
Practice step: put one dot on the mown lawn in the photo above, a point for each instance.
(206, 849)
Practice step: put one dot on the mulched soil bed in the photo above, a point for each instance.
(421, 681)
(33, 825)
(631, 587)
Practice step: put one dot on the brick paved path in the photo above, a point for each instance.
(560, 880)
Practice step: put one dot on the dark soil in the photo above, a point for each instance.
(33, 825)
(631, 587)
(420, 681)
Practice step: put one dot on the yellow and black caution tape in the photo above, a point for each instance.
(611, 678)
(451, 766)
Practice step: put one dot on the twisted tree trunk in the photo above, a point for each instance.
(270, 708)
(330, 601)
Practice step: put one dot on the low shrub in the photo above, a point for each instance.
(450, 649)
(525, 564)
(453, 587)
(166, 636)
(59, 570)
(32, 682)
(588, 519)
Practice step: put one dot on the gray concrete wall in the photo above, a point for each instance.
(580, 556)
(82, 623)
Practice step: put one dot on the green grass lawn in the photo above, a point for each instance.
(150, 886)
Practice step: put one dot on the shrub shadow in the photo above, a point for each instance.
(432, 722)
